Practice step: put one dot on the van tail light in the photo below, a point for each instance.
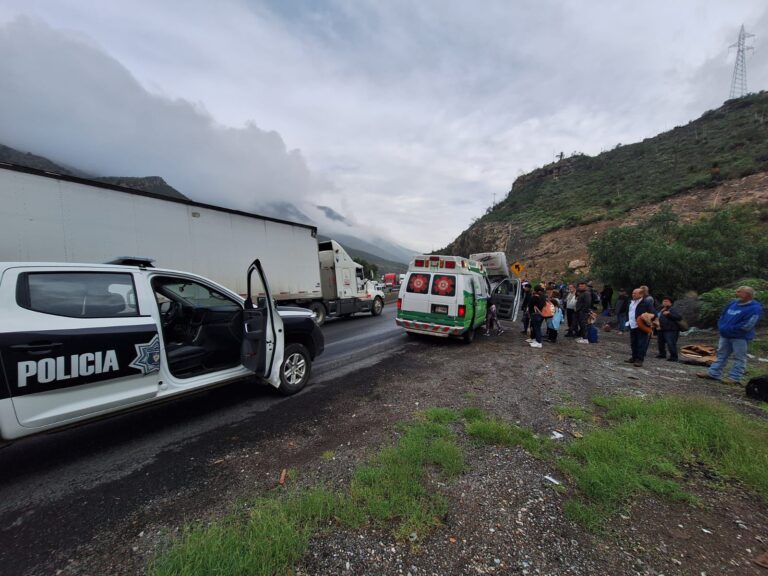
(462, 310)
(399, 303)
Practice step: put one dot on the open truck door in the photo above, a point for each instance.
(263, 336)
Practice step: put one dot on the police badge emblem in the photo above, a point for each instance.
(147, 356)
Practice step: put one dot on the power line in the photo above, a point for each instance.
(739, 80)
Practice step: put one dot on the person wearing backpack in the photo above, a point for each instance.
(669, 330)
(554, 321)
(737, 328)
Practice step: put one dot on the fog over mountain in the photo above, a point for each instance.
(67, 100)
(410, 117)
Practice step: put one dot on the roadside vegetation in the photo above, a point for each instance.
(649, 445)
(270, 534)
(730, 142)
(673, 258)
(656, 446)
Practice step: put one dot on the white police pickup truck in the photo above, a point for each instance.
(79, 341)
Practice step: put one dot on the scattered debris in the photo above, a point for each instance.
(550, 479)
(283, 474)
(556, 435)
(706, 531)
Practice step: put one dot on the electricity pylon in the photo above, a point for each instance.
(739, 81)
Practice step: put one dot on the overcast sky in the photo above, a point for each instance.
(405, 117)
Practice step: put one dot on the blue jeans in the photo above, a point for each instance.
(728, 346)
(536, 325)
(621, 322)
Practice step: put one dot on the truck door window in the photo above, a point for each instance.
(418, 284)
(444, 285)
(78, 294)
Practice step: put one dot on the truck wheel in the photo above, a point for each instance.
(295, 369)
(318, 312)
(378, 306)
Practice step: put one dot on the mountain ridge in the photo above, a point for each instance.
(728, 144)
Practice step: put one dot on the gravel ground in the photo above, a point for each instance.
(504, 516)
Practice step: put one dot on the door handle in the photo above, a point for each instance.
(37, 349)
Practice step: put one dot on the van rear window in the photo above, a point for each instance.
(444, 285)
(418, 284)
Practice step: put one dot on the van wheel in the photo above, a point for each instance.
(318, 312)
(295, 369)
(469, 335)
(378, 306)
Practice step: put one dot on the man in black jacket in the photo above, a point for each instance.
(583, 308)
(668, 331)
(641, 304)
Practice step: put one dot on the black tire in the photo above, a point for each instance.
(318, 312)
(377, 307)
(295, 369)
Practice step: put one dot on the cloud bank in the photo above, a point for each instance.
(410, 116)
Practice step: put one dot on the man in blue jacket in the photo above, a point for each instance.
(737, 327)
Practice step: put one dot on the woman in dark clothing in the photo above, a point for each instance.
(668, 330)
(538, 301)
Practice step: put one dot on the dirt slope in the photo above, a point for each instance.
(549, 256)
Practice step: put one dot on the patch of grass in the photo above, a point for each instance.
(764, 407)
(328, 455)
(441, 415)
(649, 443)
(493, 431)
(473, 414)
(574, 412)
(261, 541)
(271, 534)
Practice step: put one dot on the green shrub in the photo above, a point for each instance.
(714, 301)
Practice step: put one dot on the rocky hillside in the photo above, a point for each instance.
(551, 213)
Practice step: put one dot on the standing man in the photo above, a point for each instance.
(668, 331)
(525, 303)
(570, 311)
(622, 310)
(583, 308)
(737, 327)
(639, 339)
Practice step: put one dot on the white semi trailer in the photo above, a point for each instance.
(57, 218)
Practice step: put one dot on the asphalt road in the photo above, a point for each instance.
(42, 476)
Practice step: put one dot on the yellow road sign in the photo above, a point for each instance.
(517, 268)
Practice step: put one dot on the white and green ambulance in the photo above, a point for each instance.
(443, 296)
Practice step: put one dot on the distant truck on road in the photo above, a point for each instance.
(391, 280)
(48, 217)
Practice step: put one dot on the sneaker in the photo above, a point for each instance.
(582, 341)
(535, 344)
(639, 364)
(529, 340)
(706, 376)
(660, 356)
(730, 381)
(630, 360)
